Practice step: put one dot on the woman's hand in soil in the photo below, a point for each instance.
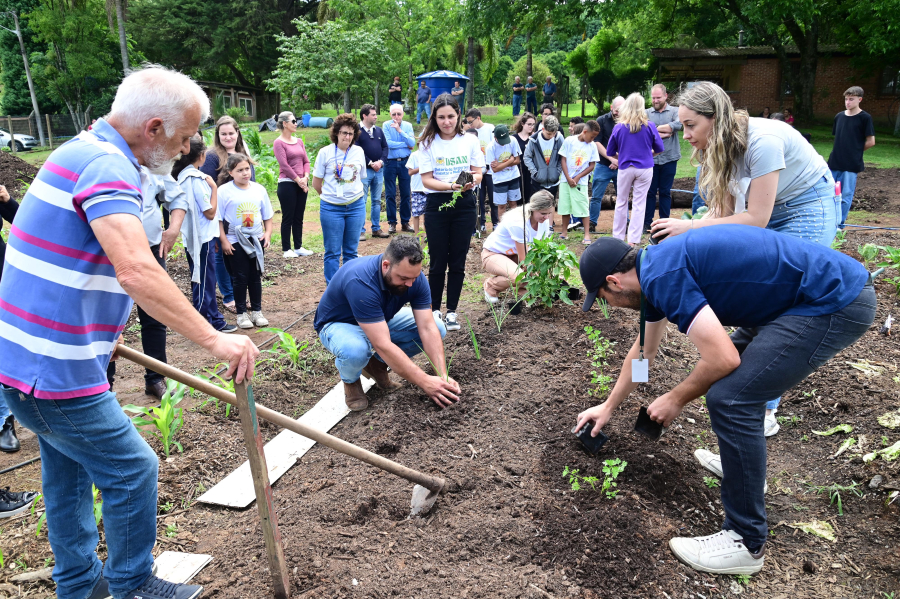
(664, 410)
(599, 415)
(443, 393)
(669, 226)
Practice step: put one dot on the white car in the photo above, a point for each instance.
(23, 142)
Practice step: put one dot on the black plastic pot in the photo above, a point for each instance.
(574, 293)
(515, 308)
(648, 427)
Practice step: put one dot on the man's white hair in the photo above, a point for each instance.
(157, 92)
(616, 100)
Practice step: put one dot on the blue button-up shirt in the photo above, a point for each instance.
(400, 143)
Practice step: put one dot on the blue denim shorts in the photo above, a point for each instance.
(813, 215)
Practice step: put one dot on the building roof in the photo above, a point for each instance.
(742, 52)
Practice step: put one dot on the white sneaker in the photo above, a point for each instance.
(289, 254)
(243, 321)
(452, 321)
(490, 298)
(303, 252)
(771, 424)
(721, 553)
(258, 319)
(437, 314)
(713, 463)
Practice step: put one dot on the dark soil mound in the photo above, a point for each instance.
(15, 174)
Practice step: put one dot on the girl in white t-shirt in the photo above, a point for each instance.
(245, 228)
(450, 208)
(504, 249)
(419, 193)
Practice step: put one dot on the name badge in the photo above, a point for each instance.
(640, 371)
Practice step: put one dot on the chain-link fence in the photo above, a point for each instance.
(54, 129)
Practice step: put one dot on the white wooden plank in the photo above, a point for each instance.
(178, 567)
(282, 452)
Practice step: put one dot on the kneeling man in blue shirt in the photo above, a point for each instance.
(361, 319)
(796, 303)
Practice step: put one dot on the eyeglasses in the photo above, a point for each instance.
(346, 133)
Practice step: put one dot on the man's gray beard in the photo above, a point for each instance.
(159, 163)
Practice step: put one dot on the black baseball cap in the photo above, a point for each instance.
(597, 262)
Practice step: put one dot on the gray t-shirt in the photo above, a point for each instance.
(776, 146)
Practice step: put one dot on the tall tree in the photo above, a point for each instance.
(16, 97)
(115, 10)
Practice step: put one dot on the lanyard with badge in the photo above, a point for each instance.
(640, 368)
(348, 191)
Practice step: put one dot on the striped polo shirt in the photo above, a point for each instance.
(61, 307)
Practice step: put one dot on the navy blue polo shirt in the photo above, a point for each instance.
(747, 275)
(357, 295)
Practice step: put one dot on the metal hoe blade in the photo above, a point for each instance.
(423, 500)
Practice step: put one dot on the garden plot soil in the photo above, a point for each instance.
(509, 525)
(15, 174)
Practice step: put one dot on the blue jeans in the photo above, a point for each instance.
(90, 440)
(774, 358)
(340, 232)
(531, 105)
(396, 102)
(395, 170)
(203, 294)
(352, 349)
(374, 182)
(4, 410)
(848, 188)
(222, 276)
(517, 105)
(663, 178)
(420, 108)
(603, 176)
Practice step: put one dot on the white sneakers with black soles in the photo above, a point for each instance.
(721, 553)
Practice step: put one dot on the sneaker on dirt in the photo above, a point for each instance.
(575, 225)
(290, 254)
(303, 252)
(13, 504)
(721, 553)
(771, 424)
(258, 319)
(713, 463)
(452, 321)
(157, 588)
(243, 321)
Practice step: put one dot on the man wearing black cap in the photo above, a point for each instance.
(797, 305)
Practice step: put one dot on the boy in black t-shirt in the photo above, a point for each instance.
(854, 133)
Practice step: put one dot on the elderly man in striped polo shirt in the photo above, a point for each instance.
(76, 258)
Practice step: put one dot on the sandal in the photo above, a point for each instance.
(586, 242)
(231, 308)
(564, 237)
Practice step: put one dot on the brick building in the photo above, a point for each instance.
(753, 78)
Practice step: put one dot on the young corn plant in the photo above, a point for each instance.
(167, 419)
(474, 339)
(598, 354)
(42, 519)
(218, 381)
(545, 270)
(501, 310)
(447, 370)
(287, 346)
(834, 491)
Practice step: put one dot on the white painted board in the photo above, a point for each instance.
(282, 452)
(178, 567)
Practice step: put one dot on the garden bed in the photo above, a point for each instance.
(510, 525)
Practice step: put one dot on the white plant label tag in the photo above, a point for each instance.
(640, 371)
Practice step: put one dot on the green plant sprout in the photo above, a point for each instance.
(474, 339)
(446, 377)
(172, 530)
(575, 480)
(868, 253)
(545, 270)
(893, 257)
(834, 493)
(604, 307)
(839, 240)
(789, 421)
(43, 517)
(287, 345)
(598, 354)
(612, 469)
(218, 381)
(452, 203)
(167, 419)
(743, 579)
(501, 310)
(711, 481)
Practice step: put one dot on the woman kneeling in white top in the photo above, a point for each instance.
(504, 249)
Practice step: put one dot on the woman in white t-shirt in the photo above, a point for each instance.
(450, 208)
(337, 178)
(504, 249)
(753, 171)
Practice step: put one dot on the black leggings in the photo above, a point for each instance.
(449, 232)
(245, 277)
(293, 204)
(486, 192)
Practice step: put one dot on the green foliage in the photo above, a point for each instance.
(598, 354)
(166, 419)
(545, 270)
(839, 240)
(16, 96)
(711, 481)
(474, 339)
(789, 421)
(892, 255)
(743, 579)
(868, 253)
(288, 347)
(267, 168)
(446, 377)
(41, 520)
(539, 70)
(218, 381)
(238, 113)
(834, 491)
(98, 503)
(611, 471)
(575, 480)
(501, 310)
(172, 530)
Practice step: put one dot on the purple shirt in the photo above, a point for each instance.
(634, 149)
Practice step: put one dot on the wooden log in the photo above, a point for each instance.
(49, 132)
(281, 582)
(12, 137)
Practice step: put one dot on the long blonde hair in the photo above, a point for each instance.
(726, 146)
(541, 200)
(634, 112)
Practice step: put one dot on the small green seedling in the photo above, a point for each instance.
(167, 419)
(575, 480)
(41, 520)
(868, 253)
(501, 310)
(789, 421)
(892, 255)
(743, 579)
(287, 346)
(436, 371)
(598, 354)
(172, 530)
(841, 428)
(474, 339)
(834, 493)
(604, 307)
(98, 505)
(218, 381)
(612, 469)
(711, 481)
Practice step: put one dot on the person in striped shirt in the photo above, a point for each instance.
(77, 257)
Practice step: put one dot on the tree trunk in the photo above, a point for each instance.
(347, 100)
(583, 94)
(34, 104)
(470, 73)
(410, 88)
(123, 41)
(377, 103)
(528, 54)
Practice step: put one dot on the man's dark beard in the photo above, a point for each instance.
(394, 289)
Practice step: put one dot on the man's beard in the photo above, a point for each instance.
(394, 289)
(158, 161)
(632, 299)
